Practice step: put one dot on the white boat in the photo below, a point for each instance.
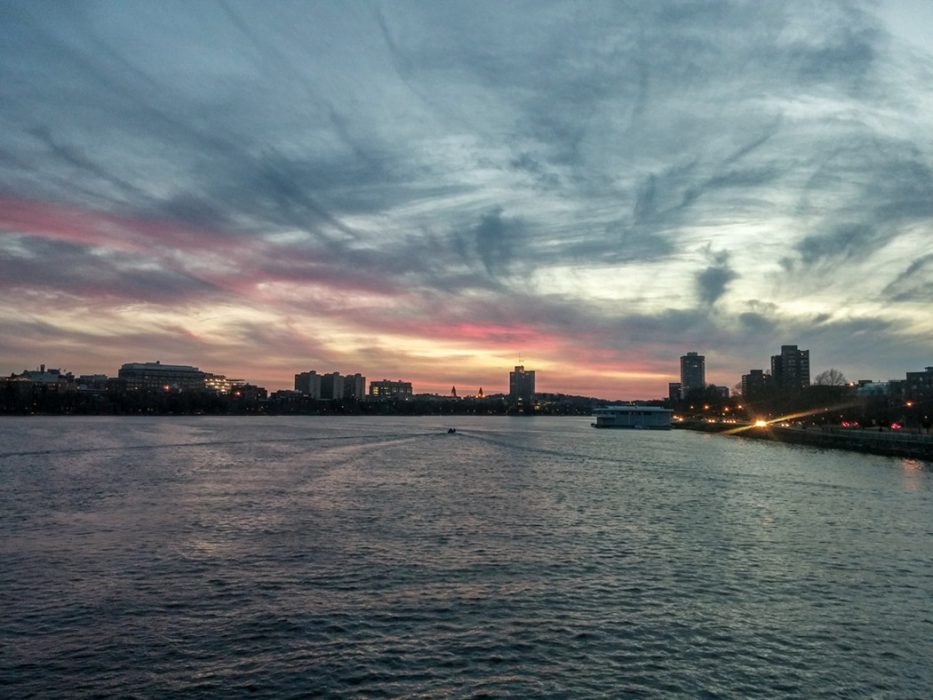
(633, 417)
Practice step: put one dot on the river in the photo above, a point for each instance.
(523, 557)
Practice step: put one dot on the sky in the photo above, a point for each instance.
(437, 191)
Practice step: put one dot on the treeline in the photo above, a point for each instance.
(37, 399)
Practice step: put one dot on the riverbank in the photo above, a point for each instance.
(880, 442)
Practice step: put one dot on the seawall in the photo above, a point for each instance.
(888, 442)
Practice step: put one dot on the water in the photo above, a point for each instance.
(382, 557)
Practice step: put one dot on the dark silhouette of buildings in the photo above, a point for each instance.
(354, 386)
(330, 387)
(918, 386)
(790, 371)
(154, 376)
(756, 383)
(692, 373)
(522, 386)
(309, 384)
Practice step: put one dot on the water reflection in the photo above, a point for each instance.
(914, 474)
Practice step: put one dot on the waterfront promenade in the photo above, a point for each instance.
(897, 443)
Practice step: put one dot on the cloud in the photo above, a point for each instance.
(712, 282)
(915, 283)
(612, 182)
(93, 275)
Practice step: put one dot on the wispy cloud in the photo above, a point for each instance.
(604, 185)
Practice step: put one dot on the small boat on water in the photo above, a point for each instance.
(633, 417)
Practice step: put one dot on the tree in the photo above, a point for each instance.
(831, 377)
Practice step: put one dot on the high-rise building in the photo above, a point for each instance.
(791, 369)
(309, 384)
(522, 385)
(692, 372)
(674, 393)
(332, 386)
(354, 386)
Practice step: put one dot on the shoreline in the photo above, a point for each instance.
(887, 443)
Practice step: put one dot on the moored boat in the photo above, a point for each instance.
(633, 417)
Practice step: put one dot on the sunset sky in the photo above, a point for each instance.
(429, 191)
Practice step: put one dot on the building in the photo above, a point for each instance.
(354, 386)
(674, 392)
(154, 376)
(93, 382)
(918, 386)
(309, 384)
(220, 383)
(692, 373)
(790, 370)
(48, 379)
(721, 392)
(332, 386)
(866, 388)
(522, 385)
(386, 389)
(755, 383)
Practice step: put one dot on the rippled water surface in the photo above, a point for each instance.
(298, 557)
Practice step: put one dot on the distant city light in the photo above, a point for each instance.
(761, 423)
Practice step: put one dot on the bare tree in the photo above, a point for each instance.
(831, 377)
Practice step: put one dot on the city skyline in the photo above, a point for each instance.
(439, 192)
